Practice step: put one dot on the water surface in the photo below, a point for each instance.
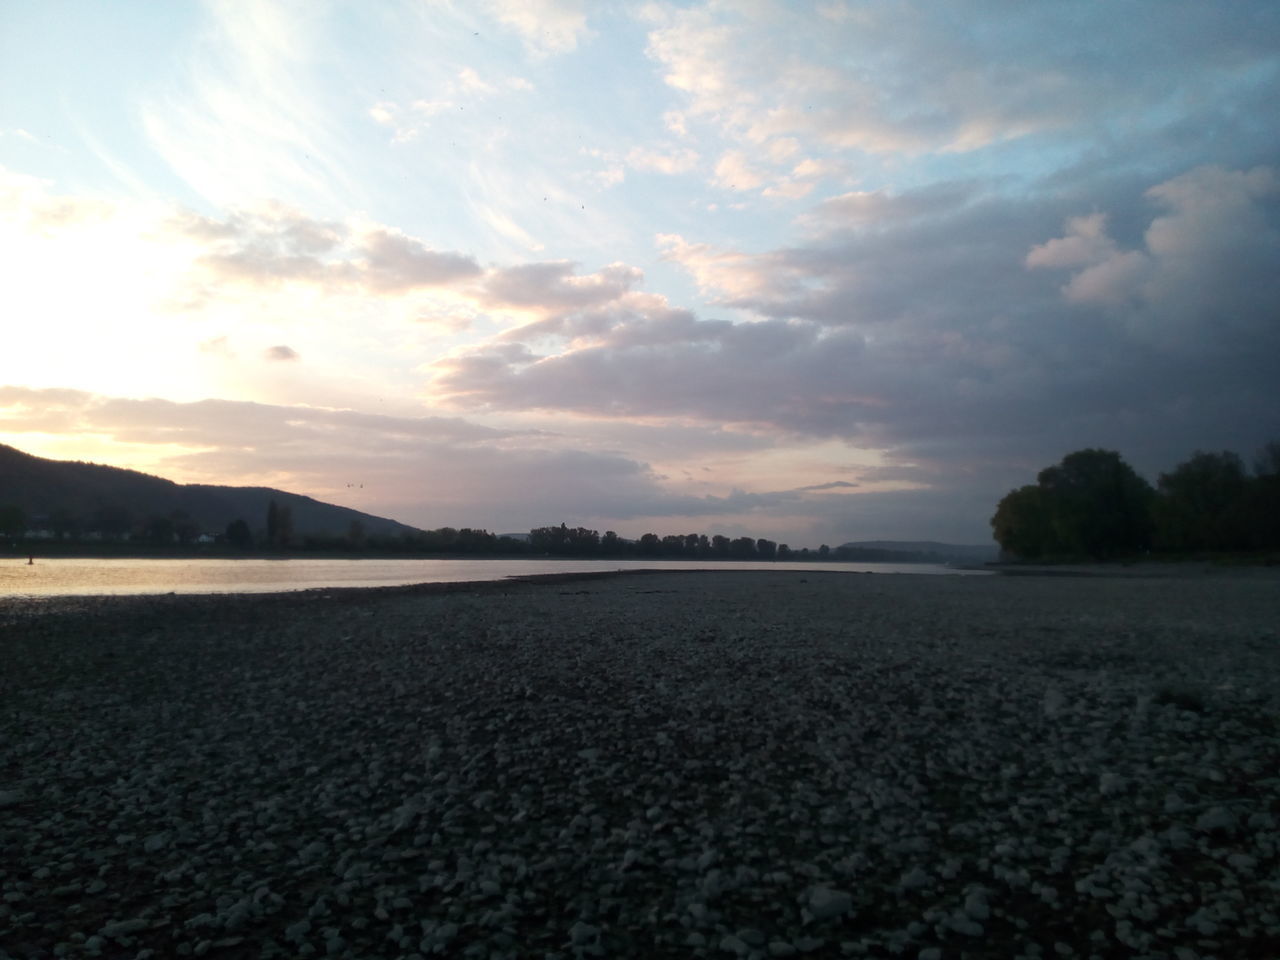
(82, 576)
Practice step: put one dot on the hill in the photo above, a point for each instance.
(89, 497)
(920, 551)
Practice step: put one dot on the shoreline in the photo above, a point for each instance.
(658, 765)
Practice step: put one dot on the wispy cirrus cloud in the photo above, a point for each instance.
(247, 119)
(410, 120)
(769, 71)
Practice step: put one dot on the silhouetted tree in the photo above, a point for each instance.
(1262, 499)
(564, 540)
(160, 530)
(1202, 504)
(112, 520)
(1022, 524)
(1098, 504)
(63, 523)
(720, 546)
(238, 534)
(1091, 503)
(766, 549)
(13, 522)
(279, 524)
(549, 539)
(184, 527)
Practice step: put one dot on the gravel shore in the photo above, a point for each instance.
(721, 764)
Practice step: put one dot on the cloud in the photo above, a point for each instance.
(735, 172)
(28, 204)
(915, 84)
(409, 122)
(921, 324)
(393, 262)
(1086, 242)
(869, 209)
(221, 423)
(1207, 262)
(662, 363)
(554, 287)
(274, 244)
(466, 87)
(731, 274)
(219, 346)
(281, 351)
(546, 27)
(668, 160)
(249, 116)
(477, 476)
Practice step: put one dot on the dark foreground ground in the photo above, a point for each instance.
(666, 765)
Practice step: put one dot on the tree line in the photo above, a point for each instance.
(278, 533)
(1094, 504)
(109, 522)
(581, 542)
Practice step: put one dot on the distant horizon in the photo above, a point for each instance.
(841, 272)
(525, 534)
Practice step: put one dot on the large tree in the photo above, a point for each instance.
(1022, 525)
(1099, 505)
(1092, 504)
(1262, 499)
(1202, 504)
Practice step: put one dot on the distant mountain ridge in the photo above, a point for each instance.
(93, 495)
(922, 551)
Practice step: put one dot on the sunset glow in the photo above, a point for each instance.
(825, 273)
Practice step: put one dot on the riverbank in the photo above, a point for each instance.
(667, 765)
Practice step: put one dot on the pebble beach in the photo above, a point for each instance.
(698, 764)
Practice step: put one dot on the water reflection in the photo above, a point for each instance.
(85, 576)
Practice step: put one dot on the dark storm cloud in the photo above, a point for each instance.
(1007, 327)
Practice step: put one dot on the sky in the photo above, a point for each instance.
(816, 272)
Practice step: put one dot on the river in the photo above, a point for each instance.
(81, 576)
